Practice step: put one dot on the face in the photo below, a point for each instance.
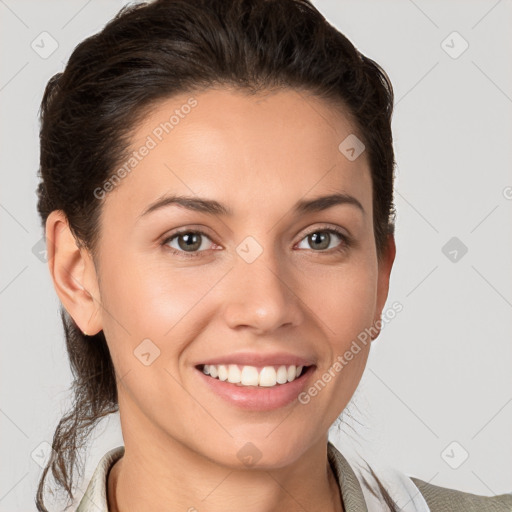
(259, 281)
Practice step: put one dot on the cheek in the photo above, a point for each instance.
(148, 300)
(343, 300)
(346, 309)
(149, 296)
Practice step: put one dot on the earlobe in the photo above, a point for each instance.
(73, 274)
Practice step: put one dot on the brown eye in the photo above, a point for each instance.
(321, 240)
(187, 243)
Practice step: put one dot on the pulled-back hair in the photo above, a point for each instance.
(148, 53)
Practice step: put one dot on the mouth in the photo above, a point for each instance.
(256, 382)
(272, 376)
(256, 389)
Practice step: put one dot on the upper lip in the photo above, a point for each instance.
(260, 359)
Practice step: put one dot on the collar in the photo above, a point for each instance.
(95, 497)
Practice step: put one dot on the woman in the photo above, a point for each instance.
(193, 154)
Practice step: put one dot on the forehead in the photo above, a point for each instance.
(243, 150)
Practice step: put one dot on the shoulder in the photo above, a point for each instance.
(442, 499)
(362, 488)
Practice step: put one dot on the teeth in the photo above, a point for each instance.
(234, 374)
(282, 375)
(268, 376)
(223, 372)
(249, 376)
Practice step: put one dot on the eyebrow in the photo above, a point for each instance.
(212, 207)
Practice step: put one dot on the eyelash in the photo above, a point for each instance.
(346, 241)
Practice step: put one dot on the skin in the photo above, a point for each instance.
(258, 155)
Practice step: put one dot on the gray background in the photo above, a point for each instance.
(438, 383)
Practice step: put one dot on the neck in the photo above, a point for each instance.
(161, 474)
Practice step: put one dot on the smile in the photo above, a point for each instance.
(255, 388)
(245, 375)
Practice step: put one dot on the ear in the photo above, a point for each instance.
(73, 273)
(384, 273)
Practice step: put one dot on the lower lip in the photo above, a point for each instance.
(256, 398)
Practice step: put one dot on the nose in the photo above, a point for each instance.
(262, 296)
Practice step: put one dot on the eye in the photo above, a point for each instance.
(321, 239)
(188, 243)
(191, 243)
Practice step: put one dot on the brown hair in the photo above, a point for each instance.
(150, 52)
